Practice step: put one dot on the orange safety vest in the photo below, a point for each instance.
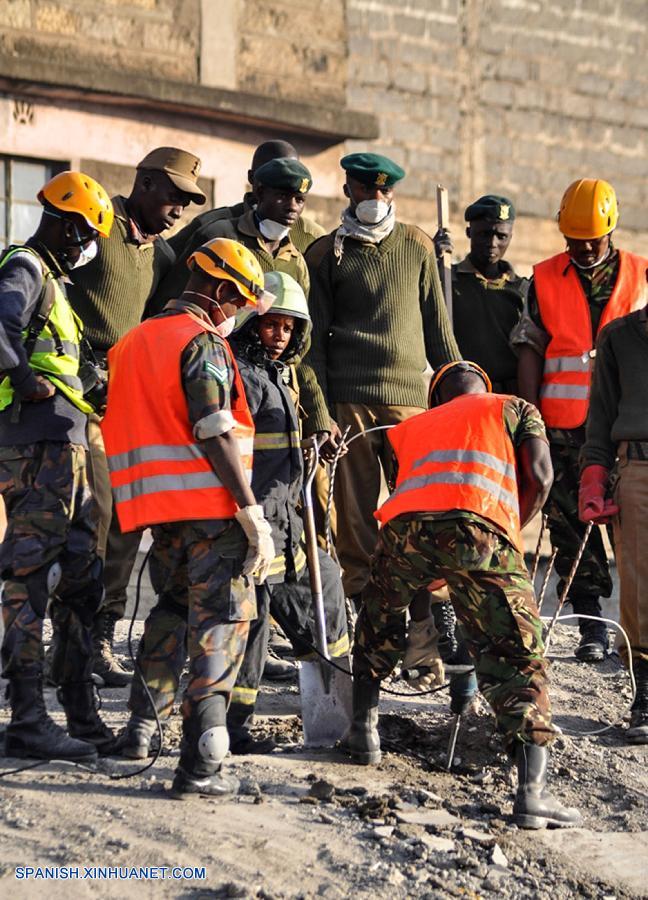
(158, 471)
(457, 456)
(567, 378)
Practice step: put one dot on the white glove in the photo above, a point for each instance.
(259, 534)
(422, 650)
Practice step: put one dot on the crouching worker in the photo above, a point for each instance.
(267, 349)
(617, 427)
(179, 435)
(49, 551)
(456, 514)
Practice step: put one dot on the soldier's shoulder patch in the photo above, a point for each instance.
(220, 373)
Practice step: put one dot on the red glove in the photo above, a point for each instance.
(592, 505)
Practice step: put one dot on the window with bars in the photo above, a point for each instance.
(20, 181)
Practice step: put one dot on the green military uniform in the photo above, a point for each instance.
(484, 312)
(592, 579)
(491, 593)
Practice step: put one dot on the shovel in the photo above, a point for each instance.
(326, 693)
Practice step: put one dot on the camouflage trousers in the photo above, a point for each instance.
(49, 551)
(493, 598)
(203, 611)
(592, 579)
(290, 603)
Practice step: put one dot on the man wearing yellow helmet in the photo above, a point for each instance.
(179, 440)
(50, 547)
(572, 296)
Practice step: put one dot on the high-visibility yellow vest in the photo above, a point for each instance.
(57, 348)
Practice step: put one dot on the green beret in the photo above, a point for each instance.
(285, 174)
(491, 206)
(372, 168)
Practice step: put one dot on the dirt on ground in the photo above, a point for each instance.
(310, 824)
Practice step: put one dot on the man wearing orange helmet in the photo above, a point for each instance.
(572, 296)
(179, 438)
(50, 548)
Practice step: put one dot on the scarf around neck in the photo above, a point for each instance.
(353, 228)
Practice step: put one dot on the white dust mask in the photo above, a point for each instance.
(273, 231)
(86, 255)
(370, 212)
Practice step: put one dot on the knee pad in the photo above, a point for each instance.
(213, 744)
(40, 586)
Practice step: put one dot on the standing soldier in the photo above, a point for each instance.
(378, 318)
(179, 438)
(109, 295)
(50, 546)
(572, 296)
(487, 296)
(456, 514)
(617, 427)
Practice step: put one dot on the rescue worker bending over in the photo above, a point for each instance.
(50, 547)
(179, 439)
(456, 514)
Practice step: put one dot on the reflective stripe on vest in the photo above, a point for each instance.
(158, 471)
(565, 314)
(279, 440)
(479, 478)
(56, 357)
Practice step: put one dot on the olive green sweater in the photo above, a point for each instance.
(618, 410)
(378, 317)
(109, 294)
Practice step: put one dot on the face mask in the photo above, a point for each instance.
(595, 264)
(87, 254)
(224, 328)
(370, 212)
(273, 231)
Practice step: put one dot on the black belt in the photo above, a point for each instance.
(638, 450)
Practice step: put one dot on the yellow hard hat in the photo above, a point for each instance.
(74, 192)
(224, 258)
(588, 209)
(460, 365)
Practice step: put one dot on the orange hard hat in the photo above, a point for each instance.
(230, 260)
(460, 365)
(588, 209)
(74, 192)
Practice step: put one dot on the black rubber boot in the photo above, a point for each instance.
(79, 701)
(135, 741)
(446, 624)
(32, 733)
(637, 733)
(593, 644)
(362, 742)
(534, 807)
(204, 747)
(105, 665)
(242, 741)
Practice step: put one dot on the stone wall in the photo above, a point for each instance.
(514, 96)
(155, 37)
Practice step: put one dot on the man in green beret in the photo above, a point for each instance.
(487, 295)
(204, 227)
(378, 320)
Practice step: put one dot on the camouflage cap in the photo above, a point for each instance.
(372, 169)
(181, 167)
(490, 206)
(286, 174)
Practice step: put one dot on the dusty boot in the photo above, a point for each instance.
(135, 741)
(637, 733)
(446, 623)
(205, 743)
(593, 644)
(277, 669)
(105, 664)
(362, 742)
(534, 807)
(242, 741)
(79, 701)
(31, 732)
